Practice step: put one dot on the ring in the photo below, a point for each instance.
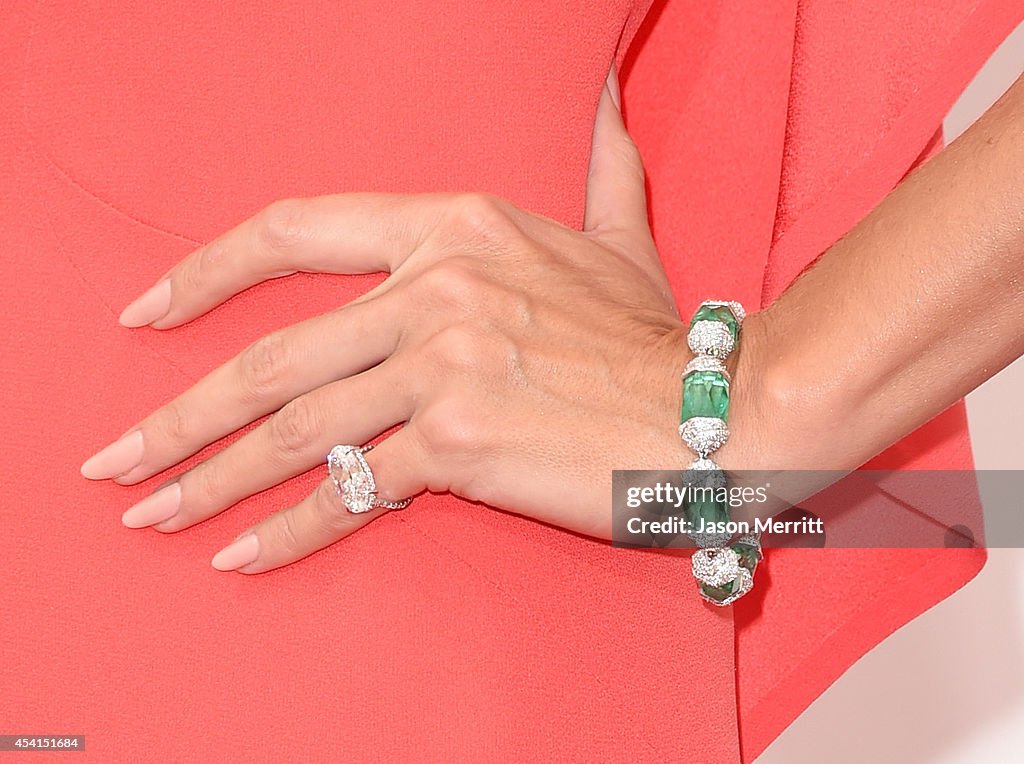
(353, 480)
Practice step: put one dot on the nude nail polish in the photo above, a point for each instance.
(148, 307)
(613, 87)
(160, 505)
(116, 459)
(238, 553)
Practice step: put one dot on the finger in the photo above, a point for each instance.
(321, 518)
(288, 443)
(267, 374)
(616, 195)
(342, 233)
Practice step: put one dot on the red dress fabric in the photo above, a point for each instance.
(448, 632)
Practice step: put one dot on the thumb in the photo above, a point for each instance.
(616, 207)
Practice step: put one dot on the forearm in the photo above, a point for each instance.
(920, 303)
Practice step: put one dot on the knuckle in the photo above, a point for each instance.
(193, 275)
(264, 366)
(452, 427)
(280, 225)
(294, 428)
(173, 426)
(287, 539)
(204, 484)
(456, 348)
(451, 282)
(478, 215)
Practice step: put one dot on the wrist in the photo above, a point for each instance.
(787, 412)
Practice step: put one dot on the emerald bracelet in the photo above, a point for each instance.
(724, 568)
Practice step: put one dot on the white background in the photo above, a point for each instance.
(948, 688)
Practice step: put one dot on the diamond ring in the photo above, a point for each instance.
(353, 480)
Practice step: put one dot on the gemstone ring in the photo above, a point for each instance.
(353, 480)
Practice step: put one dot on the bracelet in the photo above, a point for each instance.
(724, 570)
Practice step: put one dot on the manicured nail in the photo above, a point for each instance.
(116, 459)
(613, 87)
(155, 508)
(238, 553)
(147, 308)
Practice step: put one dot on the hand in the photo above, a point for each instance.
(526, 361)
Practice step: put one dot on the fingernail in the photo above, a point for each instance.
(238, 553)
(155, 508)
(116, 459)
(613, 87)
(147, 308)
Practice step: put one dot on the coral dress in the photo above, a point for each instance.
(131, 132)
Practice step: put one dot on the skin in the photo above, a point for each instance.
(918, 305)
(500, 336)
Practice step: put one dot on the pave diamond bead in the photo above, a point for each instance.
(704, 434)
(711, 338)
(352, 478)
(706, 363)
(748, 553)
(705, 394)
(737, 310)
(716, 567)
(703, 472)
(709, 540)
(751, 541)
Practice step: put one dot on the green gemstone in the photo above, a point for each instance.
(705, 393)
(717, 593)
(717, 313)
(705, 508)
(748, 554)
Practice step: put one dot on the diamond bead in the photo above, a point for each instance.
(706, 363)
(703, 473)
(747, 549)
(716, 567)
(737, 310)
(750, 540)
(704, 434)
(711, 338)
(709, 540)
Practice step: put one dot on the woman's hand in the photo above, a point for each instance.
(526, 361)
